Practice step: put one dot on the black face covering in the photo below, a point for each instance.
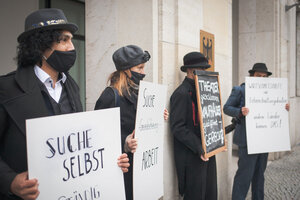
(62, 61)
(137, 77)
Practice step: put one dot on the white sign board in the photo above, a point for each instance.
(267, 124)
(149, 129)
(74, 156)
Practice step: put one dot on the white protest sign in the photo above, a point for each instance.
(267, 124)
(74, 156)
(149, 129)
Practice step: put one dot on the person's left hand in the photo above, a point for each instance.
(166, 114)
(123, 162)
(287, 106)
(226, 145)
(131, 143)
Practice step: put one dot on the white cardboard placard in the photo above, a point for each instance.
(149, 129)
(74, 156)
(267, 124)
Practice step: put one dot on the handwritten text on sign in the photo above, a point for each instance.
(267, 122)
(148, 159)
(211, 112)
(76, 155)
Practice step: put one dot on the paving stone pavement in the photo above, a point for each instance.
(282, 177)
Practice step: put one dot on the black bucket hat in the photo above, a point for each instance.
(129, 56)
(260, 67)
(48, 18)
(194, 60)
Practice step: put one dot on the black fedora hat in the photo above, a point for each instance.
(48, 18)
(260, 67)
(194, 60)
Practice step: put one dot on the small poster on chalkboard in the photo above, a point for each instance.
(210, 112)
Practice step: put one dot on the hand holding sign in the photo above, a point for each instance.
(245, 111)
(130, 143)
(123, 162)
(24, 188)
(287, 106)
(166, 114)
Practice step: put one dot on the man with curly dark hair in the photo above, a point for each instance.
(41, 86)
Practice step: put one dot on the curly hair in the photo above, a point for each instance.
(30, 50)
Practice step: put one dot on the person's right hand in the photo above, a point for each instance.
(245, 111)
(24, 188)
(123, 162)
(131, 143)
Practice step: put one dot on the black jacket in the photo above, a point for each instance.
(21, 99)
(128, 104)
(187, 138)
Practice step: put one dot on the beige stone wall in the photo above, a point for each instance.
(180, 24)
(267, 33)
(12, 22)
(168, 29)
(111, 24)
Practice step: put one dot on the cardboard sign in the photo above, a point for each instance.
(149, 129)
(210, 112)
(267, 124)
(74, 156)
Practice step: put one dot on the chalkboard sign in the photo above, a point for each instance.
(210, 112)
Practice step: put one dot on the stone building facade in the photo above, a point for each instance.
(245, 31)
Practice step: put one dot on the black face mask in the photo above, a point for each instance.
(137, 77)
(62, 61)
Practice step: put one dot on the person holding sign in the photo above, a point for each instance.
(197, 176)
(123, 92)
(41, 86)
(251, 167)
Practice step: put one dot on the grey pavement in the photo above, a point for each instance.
(282, 177)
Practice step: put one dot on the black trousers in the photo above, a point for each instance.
(201, 179)
(251, 169)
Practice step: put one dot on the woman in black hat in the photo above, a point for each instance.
(197, 176)
(123, 92)
(251, 167)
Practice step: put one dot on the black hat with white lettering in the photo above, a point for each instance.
(45, 19)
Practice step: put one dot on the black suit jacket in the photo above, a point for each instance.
(21, 99)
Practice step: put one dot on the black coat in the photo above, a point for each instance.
(21, 99)
(187, 143)
(128, 106)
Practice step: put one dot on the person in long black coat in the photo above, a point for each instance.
(123, 92)
(197, 176)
